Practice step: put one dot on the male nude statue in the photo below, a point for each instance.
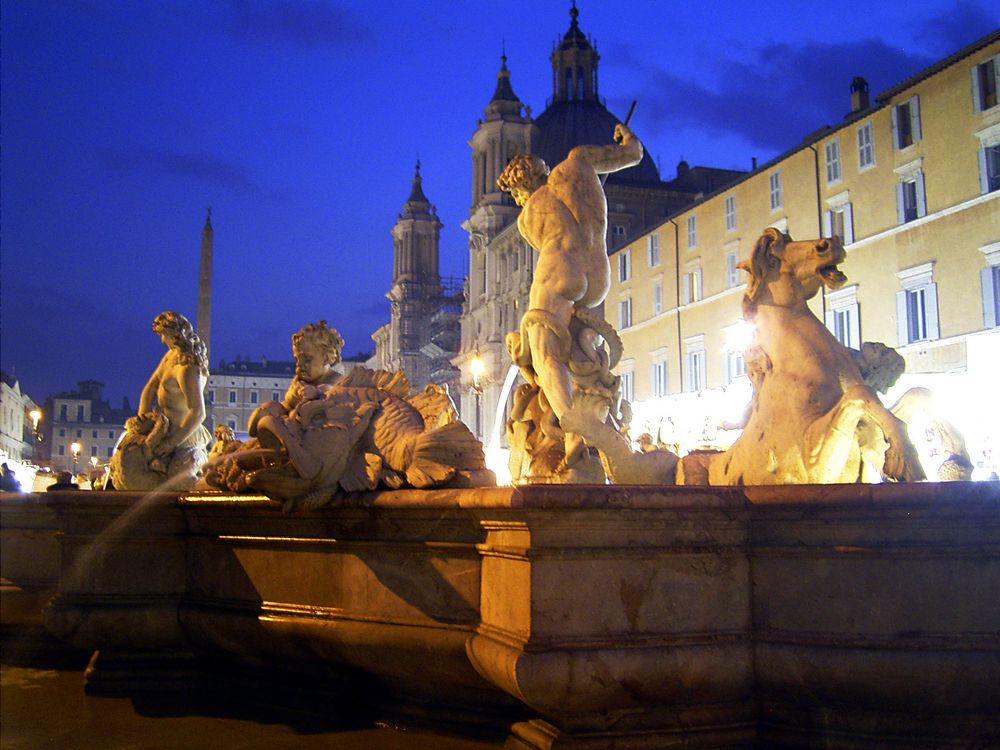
(564, 216)
(166, 438)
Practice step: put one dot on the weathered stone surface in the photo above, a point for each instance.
(638, 617)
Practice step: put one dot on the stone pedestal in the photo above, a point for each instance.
(573, 617)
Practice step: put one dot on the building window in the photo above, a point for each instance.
(990, 278)
(732, 272)
(231, 423)
(906, 123)
(989, 168)
(866, 147)
(658, 377)
(839, 222)
(93, 433)
(625, 313)
(736, 365)
(93, 450)
(916, 305)
(275, 396)
(618, 231)
(692, 231)
(232, 397)
(624, 265)
(696, 370)
(691, 285)
(911, 202)
(79, 433)
(628, 385)
(843, 318)
(62, 450)
(62, 432)
(253, 397)
(653, 249)
(832, 151)
(79, 414)
(111, 452)
(984, 84)
(210, 396)
(111, 434)
(657, 298)
(730, 206)
(774, 183)
(62, 413)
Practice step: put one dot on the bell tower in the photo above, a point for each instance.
(574, 65)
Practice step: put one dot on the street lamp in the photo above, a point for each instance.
(36, 417)
(477, 367)
(75, 447)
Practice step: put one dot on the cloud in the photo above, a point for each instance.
(781, 94)
(202, 167)
(304, 23)
(963, 24)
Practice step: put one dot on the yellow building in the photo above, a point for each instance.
(911, 184)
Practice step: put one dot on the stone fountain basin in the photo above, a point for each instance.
(579, 616)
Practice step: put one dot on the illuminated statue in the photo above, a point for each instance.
(560, 345)
(813, 419)
(166, 440)
(361, 432)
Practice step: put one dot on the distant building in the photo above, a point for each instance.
(15, 429)
(84, 418)
(500, 261)
(910, 182)
(236, 388)
(422, 334)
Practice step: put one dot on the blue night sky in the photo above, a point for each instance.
(299, 123)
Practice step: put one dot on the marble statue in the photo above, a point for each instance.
(356, 433)
(813, 418)
(166, 439)
(918, 409)
(560, 345)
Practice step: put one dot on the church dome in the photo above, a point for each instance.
(566, 124)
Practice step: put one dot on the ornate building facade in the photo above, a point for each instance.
(500, 262)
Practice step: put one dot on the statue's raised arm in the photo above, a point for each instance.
(625, 152)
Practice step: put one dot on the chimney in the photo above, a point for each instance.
(859, 94)
(753, 163)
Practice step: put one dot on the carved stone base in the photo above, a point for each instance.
(132, 673)
(730, 728)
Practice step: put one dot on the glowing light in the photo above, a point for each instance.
(75, 447)
(35, 415)
(739, 335)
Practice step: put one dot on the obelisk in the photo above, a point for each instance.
(204, 321)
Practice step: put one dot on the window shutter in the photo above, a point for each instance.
(902, 326)
(828, 223)
(895, 130)
(830, 317)
(848, 224)
(989, 298)
(855, 323)
(931, 301)
(900, 203)
(984, 176)
(921, 196)
(976, 96)
(915, 117)
(686, 287)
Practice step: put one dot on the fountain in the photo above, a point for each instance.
(353, 549)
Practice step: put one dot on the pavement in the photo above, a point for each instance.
(43, 705)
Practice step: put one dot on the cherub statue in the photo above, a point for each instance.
(332, 435)
(166, 439)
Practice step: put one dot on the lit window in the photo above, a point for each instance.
(691, 285)
(692, 231)
(658, 377)
(625, 313)
(774, 183)
(736, 365)
(906, 123)
(832, 151)
(624, 265)
(866, 147)
(730, 206)
(984, 84)
(653, 249)
(657, 298)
